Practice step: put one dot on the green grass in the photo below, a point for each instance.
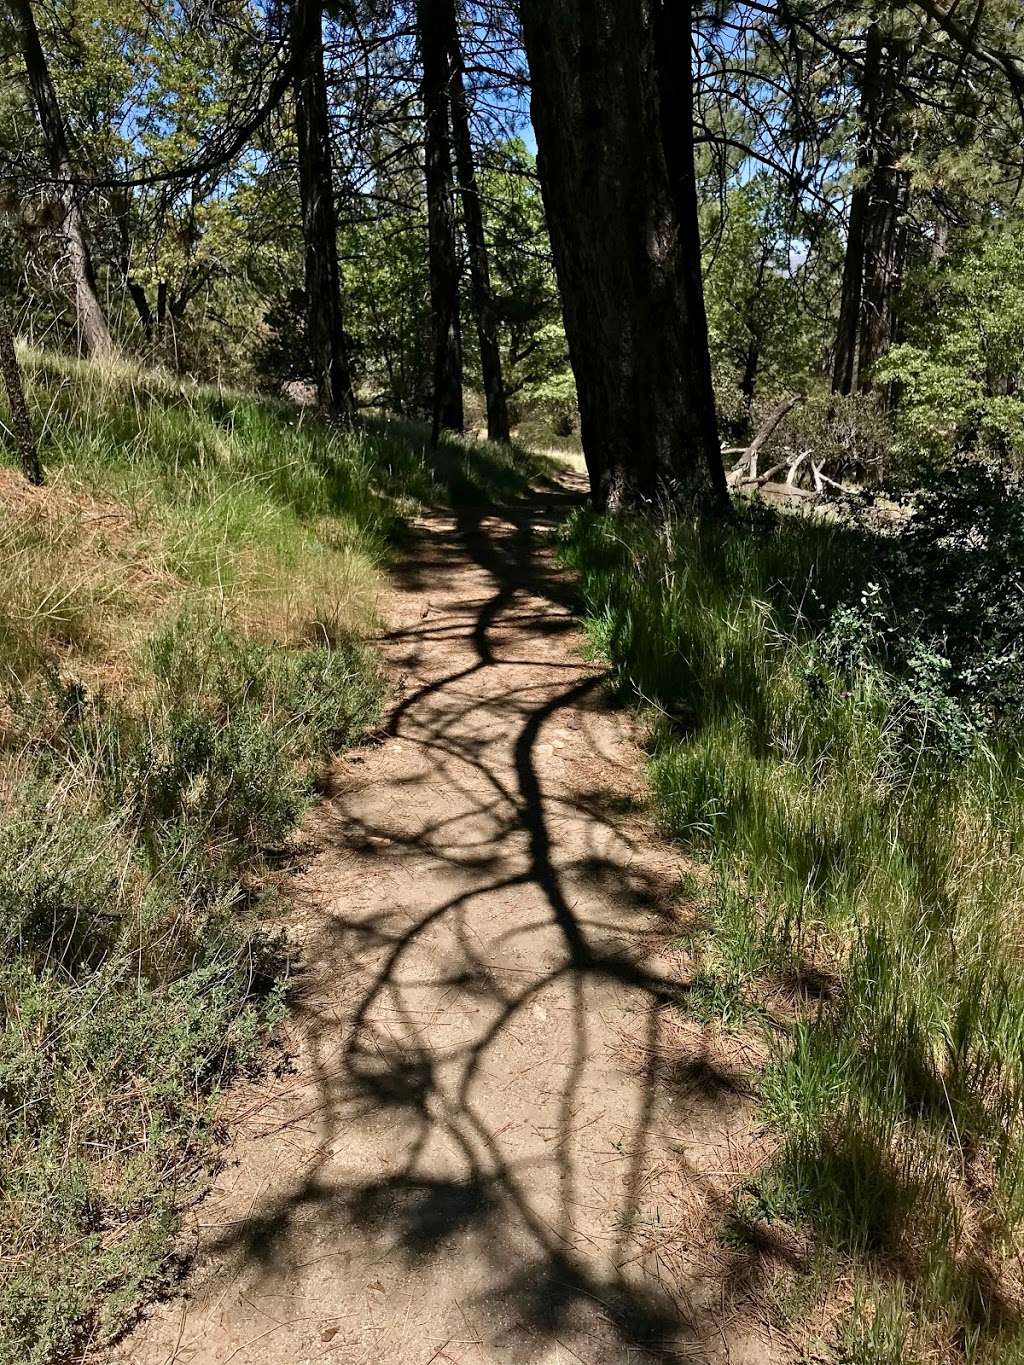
(181, 614)
(862, 902)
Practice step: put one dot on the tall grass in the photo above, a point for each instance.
(180, 620)
(863, 898)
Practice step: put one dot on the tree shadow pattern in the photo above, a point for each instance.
(488, 895)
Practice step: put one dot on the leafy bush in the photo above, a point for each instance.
(945, 612)
(959, 376)
(849, 438)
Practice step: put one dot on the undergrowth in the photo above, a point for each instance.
(180, 621)
(834, 733)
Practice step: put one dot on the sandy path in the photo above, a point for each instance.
(498, 1139)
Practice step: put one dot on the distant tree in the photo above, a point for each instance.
(94, 334)
(535, 353)
(325, 323)
(476, 240)
(768, 286)
(959, 369)
(876, 244)
(433, 29)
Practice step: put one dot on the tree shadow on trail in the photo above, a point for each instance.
(475, 731)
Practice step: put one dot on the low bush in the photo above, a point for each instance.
(849, 438)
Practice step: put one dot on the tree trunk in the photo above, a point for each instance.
(876, 235)
(93, 332)
(21, 423)
(885, 260)
(141, 301)
(751, 362)
(436, 59)
(476, 240)
(325, 319)
(613, 114)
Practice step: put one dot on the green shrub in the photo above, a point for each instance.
(850, 438)
(959, 374)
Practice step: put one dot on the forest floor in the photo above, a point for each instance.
(494, 1135)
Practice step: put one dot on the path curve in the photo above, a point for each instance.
(498, 1139)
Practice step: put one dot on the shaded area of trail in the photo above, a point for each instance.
(498, 1139)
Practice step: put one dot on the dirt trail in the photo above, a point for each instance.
(499, 1140)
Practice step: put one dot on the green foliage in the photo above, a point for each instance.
(824, 725)
(850, 438)
(389, 309)
(946, 614)
(876, 1331)
(959, 376)
(761, 304)
(534, 348)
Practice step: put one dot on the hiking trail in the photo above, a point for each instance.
(497, 1137)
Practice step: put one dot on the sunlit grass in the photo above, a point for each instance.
(865, 908)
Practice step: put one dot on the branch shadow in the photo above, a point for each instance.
(474, 729)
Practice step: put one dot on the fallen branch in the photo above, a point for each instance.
(843, 488)
(791, 476)
(764, 478)
(751, 452)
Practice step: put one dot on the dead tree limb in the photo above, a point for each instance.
(21, 423)
(750, 454)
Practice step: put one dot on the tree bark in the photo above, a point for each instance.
(138, 296)
(93, 332)
(613, 113)
(436, 60)
(476, 240)
(325, 318)
(21, 423)
(876, 235)
(748, 383)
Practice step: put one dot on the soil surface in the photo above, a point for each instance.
(496, 1137)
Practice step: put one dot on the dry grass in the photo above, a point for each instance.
(180, 614)
(80, 577)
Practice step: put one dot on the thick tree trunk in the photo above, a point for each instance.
(876, 235)
(325, 319)
(884, 264)
(21, 423)
(613, 114)
(436, 59)
(476, 240)
(93, 332)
